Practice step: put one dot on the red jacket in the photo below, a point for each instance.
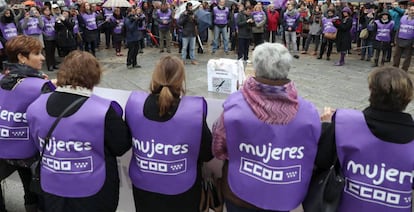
(272, 20)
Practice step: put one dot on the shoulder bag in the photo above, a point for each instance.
(325, 190)
(35, 167)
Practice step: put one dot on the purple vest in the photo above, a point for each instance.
(8, 30)
(327, 25)
(384, 31)
(90, 21)
(290, 20)
(32, 26)
(270, 166)
(166, 162)
(406, 28)
(76, 26)
(220, 16)
(118, 26)
(144, 24)
(258, 16)
(15, 142)
(164, 16)
(378, 173)
(107, 13)
(49, 28)
(73, 164)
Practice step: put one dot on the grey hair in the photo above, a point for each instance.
(271, 61)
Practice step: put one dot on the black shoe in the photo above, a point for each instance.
(136, 66)
(320, 57)
(50, 68)
(328, 58)
(161, 51)
(141, 52)
(55, 67)
(296, 56)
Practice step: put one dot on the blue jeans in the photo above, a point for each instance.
(367, 45)
(223, 31)
(186, 42)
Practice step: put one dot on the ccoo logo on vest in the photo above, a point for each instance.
(158, 166)
(14, 132)
(66, 165)
(269, 174)
(374, 192)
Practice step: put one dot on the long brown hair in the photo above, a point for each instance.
(168, 80)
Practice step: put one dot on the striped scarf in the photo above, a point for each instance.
(271, 104)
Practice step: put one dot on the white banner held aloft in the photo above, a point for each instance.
(225, 75)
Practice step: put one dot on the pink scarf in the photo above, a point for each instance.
(271, 104)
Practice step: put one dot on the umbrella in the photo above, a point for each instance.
(181, 8)
(264, 2)
(89, 1)
(116, 3)
(29, 3)
(279, 3)
(153, 39)
(230, 2)
(203, 19)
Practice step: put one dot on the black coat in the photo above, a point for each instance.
(343, 36)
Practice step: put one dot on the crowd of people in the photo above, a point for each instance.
(376, 29)
(272, 140)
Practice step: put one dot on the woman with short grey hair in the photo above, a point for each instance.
(271, 61)
(264, 131)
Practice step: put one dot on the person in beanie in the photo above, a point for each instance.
(376, 160)
(383, 36)
(343, 36)
(259, 122)
(405, 40)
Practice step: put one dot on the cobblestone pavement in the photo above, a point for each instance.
(316, 80)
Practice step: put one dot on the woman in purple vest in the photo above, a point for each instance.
(170, 139)
(268, 164)
(32, 24)
(374, 147)
(88, 25)
(21, 84)
(383, 29)
(118, 34)
(49, 38)
(79, 171)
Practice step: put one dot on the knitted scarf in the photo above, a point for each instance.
(271, 104)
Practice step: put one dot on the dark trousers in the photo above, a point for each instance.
(25, 175)
(323, 47)
(243, 50)
(397, 56)
(108, 34)
(298, 41)
(377, 54)
(90, 47)
(50, 49)
(258, 38)
(133, 49)
(117, 45)
(316, 38)
(271, 36)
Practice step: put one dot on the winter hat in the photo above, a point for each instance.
(346, 9)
